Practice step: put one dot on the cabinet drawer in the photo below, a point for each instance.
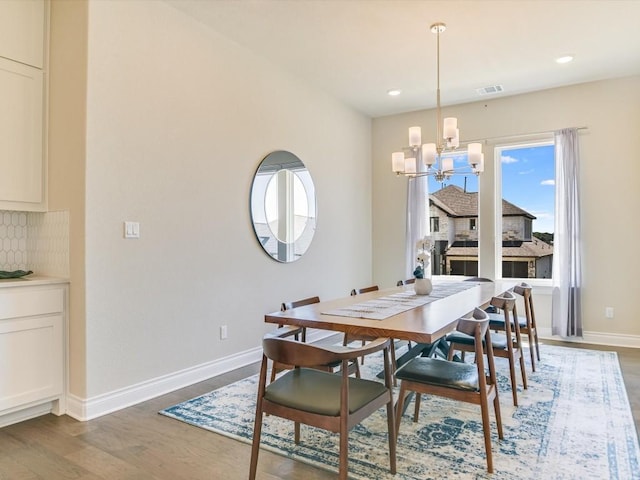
(25, 302)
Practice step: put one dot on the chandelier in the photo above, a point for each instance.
(447, 138)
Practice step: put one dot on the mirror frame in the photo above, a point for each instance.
(277, 249)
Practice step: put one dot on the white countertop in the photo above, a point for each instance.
(31, 280)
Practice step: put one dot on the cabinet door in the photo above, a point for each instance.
(22, 25)
(21, 140)
(31, 360)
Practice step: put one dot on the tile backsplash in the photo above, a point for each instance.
(35, 241)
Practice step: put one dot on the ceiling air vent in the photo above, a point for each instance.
(491, 89)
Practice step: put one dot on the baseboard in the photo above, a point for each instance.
(87, 409)
(26, 414)
(595, 338)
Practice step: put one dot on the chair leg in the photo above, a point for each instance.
(255, 447)
(343, 469)
(391, 428)
(394, 365)
(514, 385)
(486, 427)
(496, 409)
(416, 411)
(535, 336)
(296, 433)
(531, 345)
(523, 371)
(400, 407)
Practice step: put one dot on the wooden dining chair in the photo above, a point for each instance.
(332, 402)
(507, 345)
(527, 324)
(348, 338)
(334, 367)
(460, 381)
(285, 331)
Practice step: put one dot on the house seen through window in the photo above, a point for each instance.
(527, 215)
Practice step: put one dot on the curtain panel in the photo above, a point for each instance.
(566, 315)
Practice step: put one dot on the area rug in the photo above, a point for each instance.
(573, 422)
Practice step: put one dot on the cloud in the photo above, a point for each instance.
(548, 182)
(525, 172)
(508, 159)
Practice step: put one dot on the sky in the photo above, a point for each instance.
(528, 181)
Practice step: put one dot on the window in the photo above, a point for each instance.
(472, 224)
(528, 209)
(456, 242)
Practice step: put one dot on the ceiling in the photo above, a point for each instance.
(357, 50)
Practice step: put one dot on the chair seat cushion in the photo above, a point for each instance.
(434, 371)
(496, 320)
(318, 392)
(497, 341)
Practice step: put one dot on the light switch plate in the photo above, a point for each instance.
(131, 230)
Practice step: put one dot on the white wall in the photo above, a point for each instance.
(178, 119)
(610, 172)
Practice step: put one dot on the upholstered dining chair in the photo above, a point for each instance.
(332, 367)
(460, 381)
(507, 345)
(332, 402)
(527, 324)
(284, 331)
(348, 338)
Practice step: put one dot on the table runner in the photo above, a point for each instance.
(387, 306)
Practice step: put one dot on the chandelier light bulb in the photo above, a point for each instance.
(415, 136)
(397, 162)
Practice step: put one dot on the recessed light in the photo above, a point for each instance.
(564, 59)
(394, 92)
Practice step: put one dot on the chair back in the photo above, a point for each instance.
(358, 291)
(523, 289)
(290, 352)
(409, 281)
(505, 301)
(299, 303)
(478, 320)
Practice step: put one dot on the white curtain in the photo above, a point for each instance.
(566, 317)
(417, 218)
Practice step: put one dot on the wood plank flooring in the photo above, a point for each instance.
(138, 444)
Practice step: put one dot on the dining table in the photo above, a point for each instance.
(397, 312)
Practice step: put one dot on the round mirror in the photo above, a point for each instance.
(283, 206)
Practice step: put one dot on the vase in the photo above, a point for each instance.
(423, 286)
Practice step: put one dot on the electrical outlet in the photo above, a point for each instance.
(223, 332)
(608, 312)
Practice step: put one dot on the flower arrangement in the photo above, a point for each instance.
(424, 247)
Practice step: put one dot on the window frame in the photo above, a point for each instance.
(541, 140)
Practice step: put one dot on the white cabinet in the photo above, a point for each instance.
(21, 157)
(22, 27)
(32, 351)
(22, 105)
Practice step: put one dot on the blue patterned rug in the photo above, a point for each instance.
(573, 422)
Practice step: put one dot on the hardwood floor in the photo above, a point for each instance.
(136, 443)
